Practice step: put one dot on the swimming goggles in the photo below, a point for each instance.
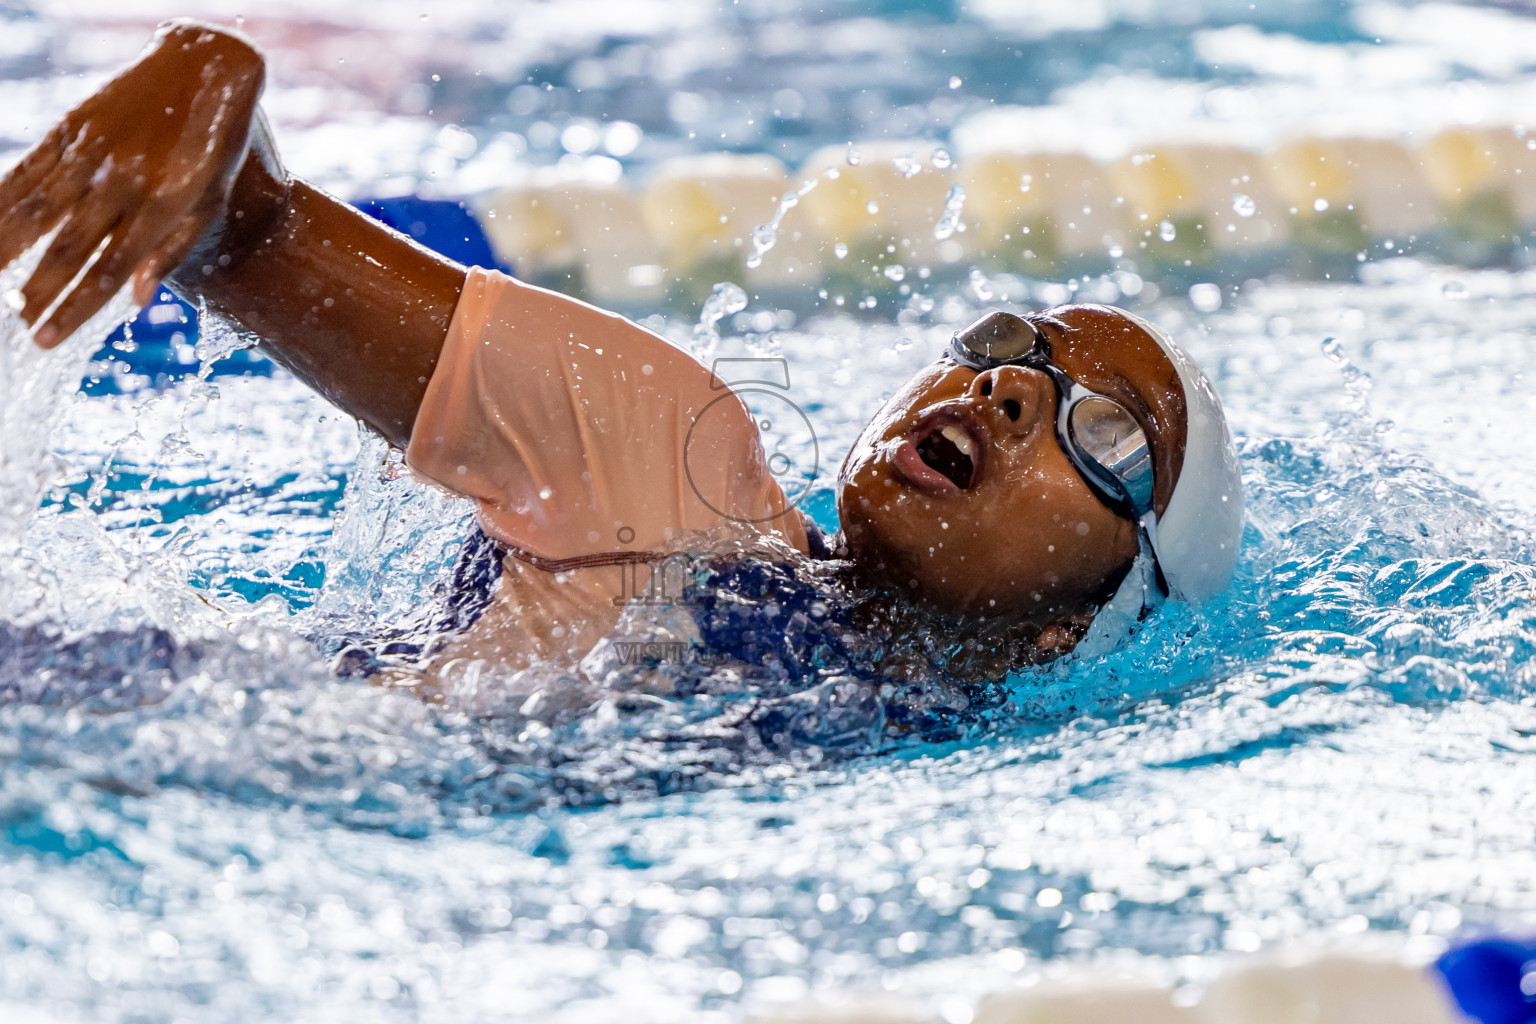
(1099, 436)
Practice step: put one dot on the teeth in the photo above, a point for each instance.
(960, 439)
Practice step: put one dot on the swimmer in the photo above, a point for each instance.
(1048, 481)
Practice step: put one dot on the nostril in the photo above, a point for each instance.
(1012, 408)
(986, 388)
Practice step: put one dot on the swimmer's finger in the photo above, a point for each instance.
(69, 252)
(35, 164)
(30, 209)
(94, 290)
(164, 258)
(121, 260)
(21, 191)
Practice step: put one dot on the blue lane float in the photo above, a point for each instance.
(156, 347)
(447, 226)
(1493, 980)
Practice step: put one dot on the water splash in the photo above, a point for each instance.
(218, 337)
(980, 286)
(35, 387)
(949, 220)
(1243, 205)
(765, 236)
(1380, 617)
(1355, 411)
(725, 300)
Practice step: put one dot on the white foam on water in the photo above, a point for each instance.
(36, 386)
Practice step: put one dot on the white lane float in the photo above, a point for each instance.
(878, 211)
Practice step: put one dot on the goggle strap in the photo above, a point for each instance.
(1154, 584)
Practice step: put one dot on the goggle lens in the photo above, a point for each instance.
(1111, 437)
(997, 338)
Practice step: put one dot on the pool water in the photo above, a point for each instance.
(199, 820)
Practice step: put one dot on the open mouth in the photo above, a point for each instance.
(950, 451)
(944, 456)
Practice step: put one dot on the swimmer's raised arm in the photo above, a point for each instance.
(168, 172)
(355, 310)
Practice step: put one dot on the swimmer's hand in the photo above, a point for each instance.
(132, 177)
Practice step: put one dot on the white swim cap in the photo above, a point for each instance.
(1197, 537)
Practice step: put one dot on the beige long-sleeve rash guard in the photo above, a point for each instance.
(584, 440)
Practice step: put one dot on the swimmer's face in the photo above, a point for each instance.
(958, 493)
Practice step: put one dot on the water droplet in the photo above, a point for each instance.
(1025, 182)
(980, 286)
(1319, 204)
(1116, 251)
(1205, 297)
(907, 165)
(871, 207)
(854, 156)
(1454, 290)
(941, 158)
(545, 493)
(1244, 206)
(840, 251)
(1530, 143)
(954, 81)
(764, 236)
(1166, 231)
(895, 272)
(954, 201)
(726, 299)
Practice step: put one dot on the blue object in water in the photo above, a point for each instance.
(1494, 980)
(158, 343)
(443, 225)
